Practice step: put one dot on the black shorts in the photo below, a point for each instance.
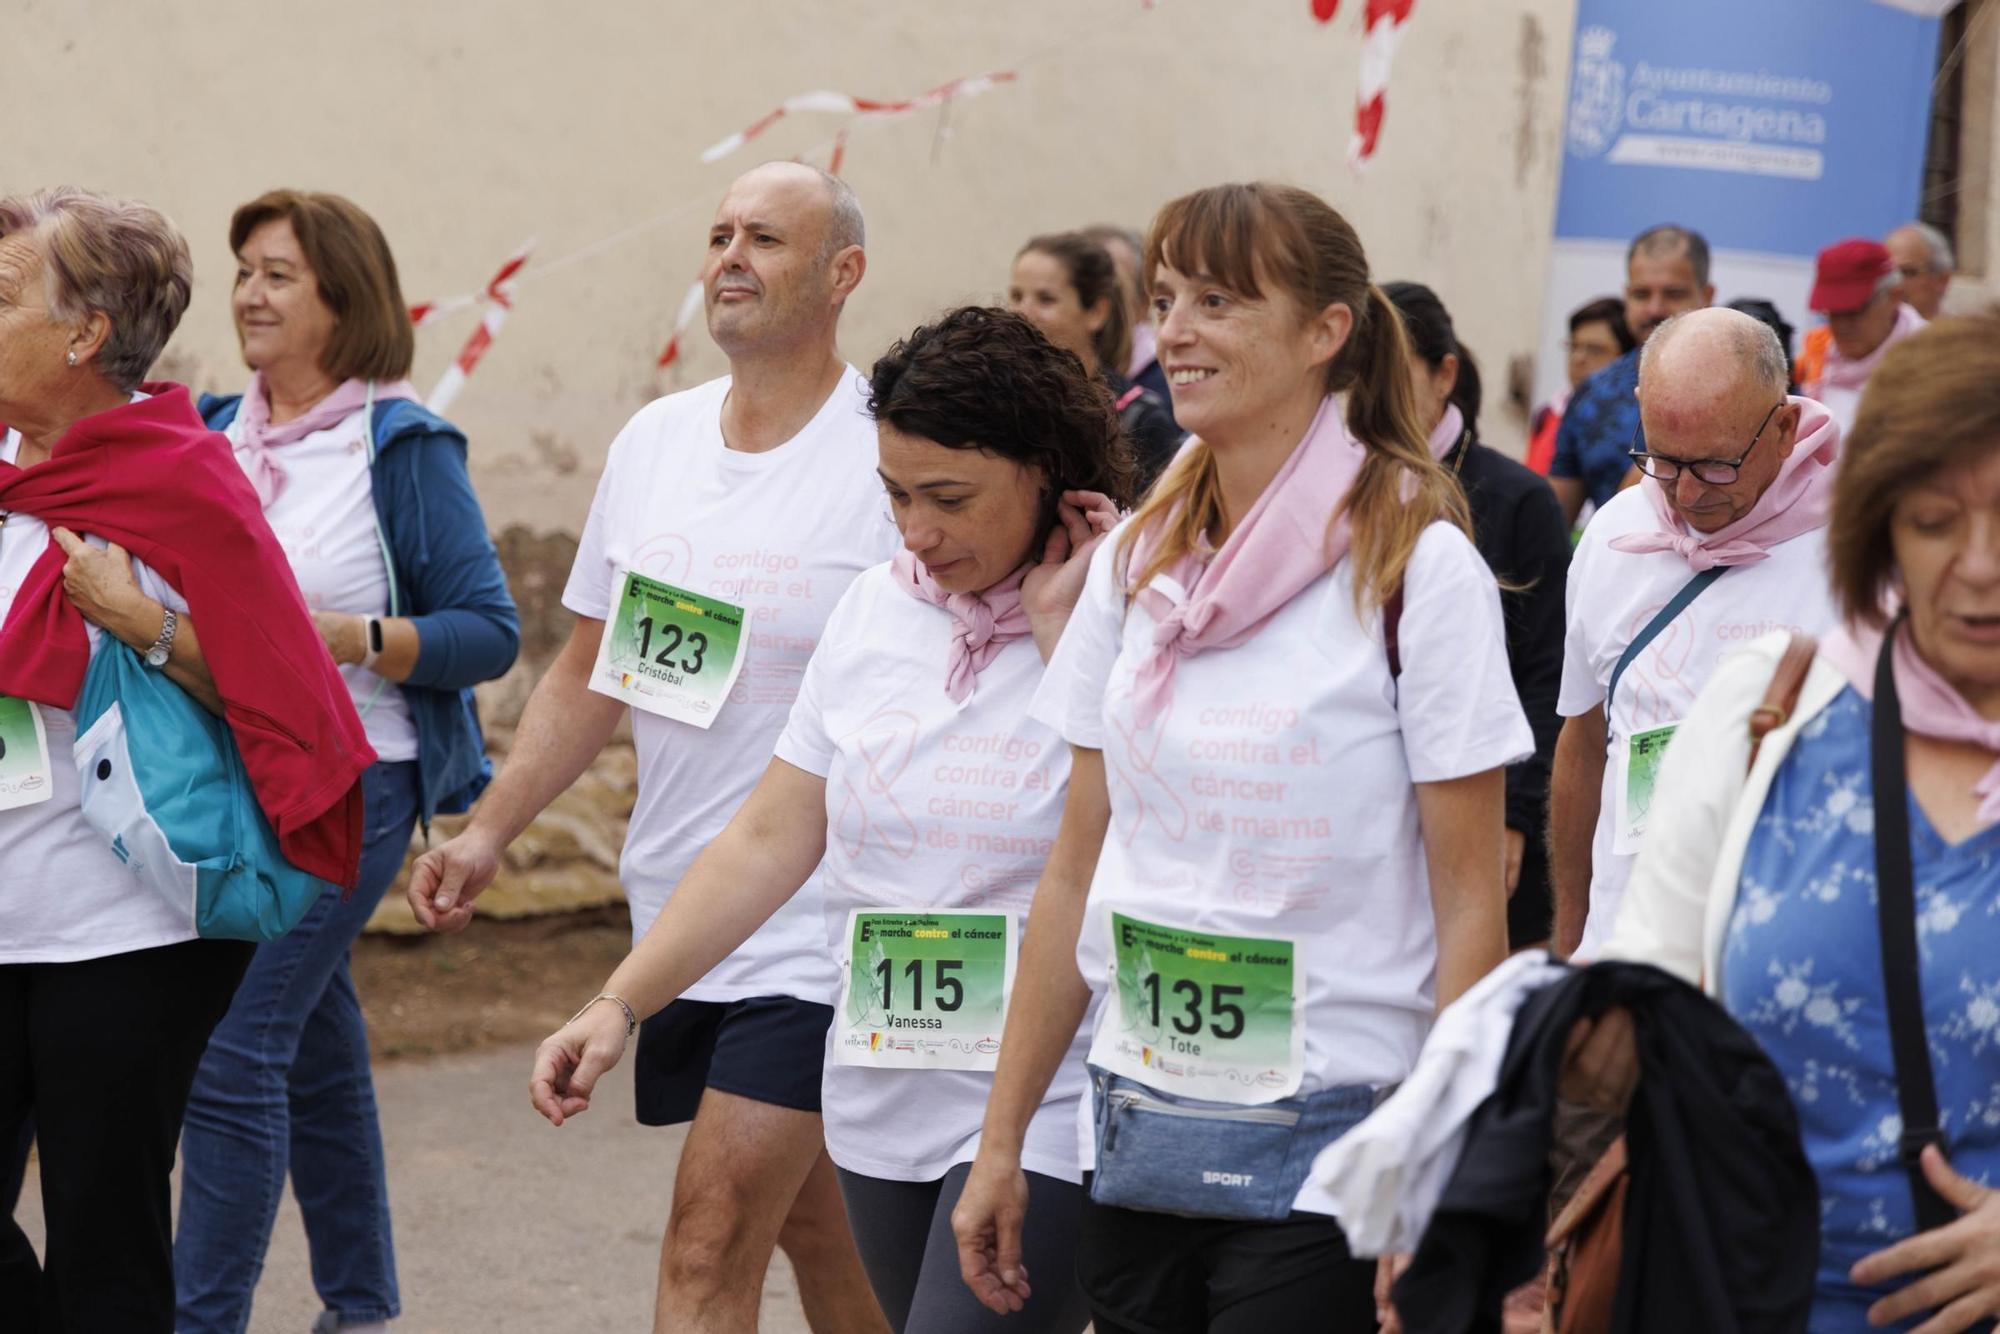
(766, 1048)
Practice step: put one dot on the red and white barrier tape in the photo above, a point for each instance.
(1382, 27)
(498, 299)
(845, 104)
(690, 307)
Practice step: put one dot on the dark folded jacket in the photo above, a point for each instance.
(1722, 1219)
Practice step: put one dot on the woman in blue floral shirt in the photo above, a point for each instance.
(1759, 879)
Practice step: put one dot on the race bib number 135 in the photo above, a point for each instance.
(1202, 1015)
(669, 651)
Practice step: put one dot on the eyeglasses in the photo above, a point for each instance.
(1712, 472)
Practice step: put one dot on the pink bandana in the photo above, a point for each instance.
(1840, 373)
(1145, 348)
(257, 441)
(1929, 705)
(1795, 502)
(1281, 546)
(981, 623)
(1445, 435)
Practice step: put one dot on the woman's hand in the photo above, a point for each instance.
(1387, 1270)
(1960, 1262)
(1051, 588)
(570, 1061)
(1601, 1063)
(346, 635)
(987, 1222)
(99, 582)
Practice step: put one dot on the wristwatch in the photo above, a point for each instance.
(163, 647)
(372, 639)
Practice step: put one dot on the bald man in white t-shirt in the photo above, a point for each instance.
(728, 522)
(1722, 544)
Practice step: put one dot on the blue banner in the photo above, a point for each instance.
(1771, 126)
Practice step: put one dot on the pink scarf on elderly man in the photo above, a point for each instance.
(1794, 503)
(1843, 373)
(1929, 704)
(981, 623)
(257, 441)
(1279, 548)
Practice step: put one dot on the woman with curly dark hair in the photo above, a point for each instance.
(911, 766)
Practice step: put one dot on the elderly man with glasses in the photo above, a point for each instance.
(1721, 543)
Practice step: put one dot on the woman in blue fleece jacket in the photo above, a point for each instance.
(369, 495)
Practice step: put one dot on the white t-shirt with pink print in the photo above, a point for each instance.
(781, 534)
(930, 804)
(1612, 595)
(1274, 798)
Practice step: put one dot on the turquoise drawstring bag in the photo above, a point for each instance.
(162, 780)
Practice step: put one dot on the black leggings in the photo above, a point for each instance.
(903, 1231)
(1148, 1273)
(101, 1053)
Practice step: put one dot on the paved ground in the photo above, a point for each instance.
(503, 1223)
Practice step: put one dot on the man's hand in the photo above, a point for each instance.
(446, 880)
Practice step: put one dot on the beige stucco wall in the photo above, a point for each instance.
(467, 128)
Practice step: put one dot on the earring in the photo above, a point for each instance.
(72, 358)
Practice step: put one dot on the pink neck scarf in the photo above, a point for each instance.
(981, 623)
(1145, 349)
(1794, 503)
(1929, 705)
(1280, 547)
(1445, 435)
(1840, 373)
(257, 441)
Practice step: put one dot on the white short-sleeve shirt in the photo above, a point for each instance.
(781, 533)
(324, 518)
(1274, 797)
(64, 896)
(930, 803)
(1612, 596)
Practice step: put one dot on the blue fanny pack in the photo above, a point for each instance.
(163, 781)
(1174, 1155)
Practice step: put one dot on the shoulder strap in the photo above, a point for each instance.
(1781, 697)
(1392, 621)
(1677, 604)
(1896, 906)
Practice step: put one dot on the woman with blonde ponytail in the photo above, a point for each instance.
(1286, 692)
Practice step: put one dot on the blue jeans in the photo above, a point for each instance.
(285, 1085)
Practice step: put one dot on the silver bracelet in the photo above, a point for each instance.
(631, 1019)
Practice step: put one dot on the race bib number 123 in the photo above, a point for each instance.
(669, 651)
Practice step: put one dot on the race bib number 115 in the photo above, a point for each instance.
(925, 990)
(669, 651)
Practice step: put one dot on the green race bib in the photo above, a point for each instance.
(1202, 1015)
(925, 990)
(1638, 771)
(25, 778)
(669, 651)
